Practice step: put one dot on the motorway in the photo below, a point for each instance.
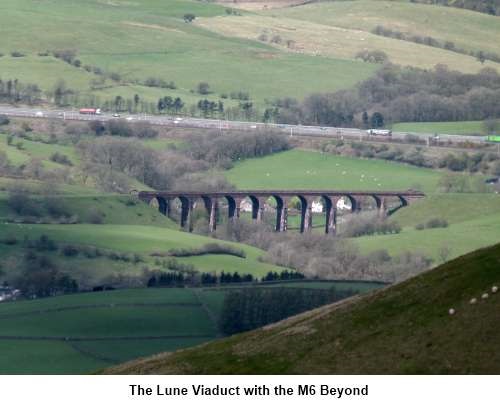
(445, 140)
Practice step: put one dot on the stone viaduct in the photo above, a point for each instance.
(258, 199)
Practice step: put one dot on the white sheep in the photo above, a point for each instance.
(451, 311)
(473, 301)
(494, 289)
(484, 296)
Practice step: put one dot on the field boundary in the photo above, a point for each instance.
(94, 306)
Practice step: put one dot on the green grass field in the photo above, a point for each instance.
(403, 329)
(82, 333)
(452, 128)
(324, 28)
(297, 169)
(35, 150)
(150, 38)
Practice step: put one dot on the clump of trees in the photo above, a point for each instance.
(324, 257)
(251, 308)
(13, 91)
(364, 224)
(123, 128)
(41, 277)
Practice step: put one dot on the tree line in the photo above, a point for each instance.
(481, 55)
(397, 94)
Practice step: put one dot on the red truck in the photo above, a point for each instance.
(90, 111)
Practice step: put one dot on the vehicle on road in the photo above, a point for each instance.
(129, 118)
(116, 115)
(90, 111)
(493, 138)
(381, 132)
(39, 114)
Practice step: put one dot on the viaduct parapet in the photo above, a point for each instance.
(282, 198)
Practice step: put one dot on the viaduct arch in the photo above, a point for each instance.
(258, 200)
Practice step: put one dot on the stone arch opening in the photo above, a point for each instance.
(161, 204)
(180, 210)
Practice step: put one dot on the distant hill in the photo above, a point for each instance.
(403, 329)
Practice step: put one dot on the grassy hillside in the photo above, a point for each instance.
(324, 28)
(303, 169)
(453, 128)
(404, 329)
(112, 223)
(150, 39)
(84, 332)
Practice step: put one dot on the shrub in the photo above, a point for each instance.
(70, 251)
(55, 207)
(4, 120)
(10, 240)
(22, 204)
(94, 216)
(436, 223)
(61, 159)
(203, 88)
(374, 56)
(17, 54)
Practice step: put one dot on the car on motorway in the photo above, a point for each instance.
(253, 126)
(378, 131)
(39, 114)
(129, 118)
(116, 115)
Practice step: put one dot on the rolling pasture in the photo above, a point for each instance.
(82, 333)
(145, 39)
(324, 28)
(298, 169)
(403, 329)
(453, 128)
(472, 217)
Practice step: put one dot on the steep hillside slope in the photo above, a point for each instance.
(134, 41)
(409, 34)
(402, 329)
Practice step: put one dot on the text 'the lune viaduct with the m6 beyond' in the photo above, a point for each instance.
(258, 198)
